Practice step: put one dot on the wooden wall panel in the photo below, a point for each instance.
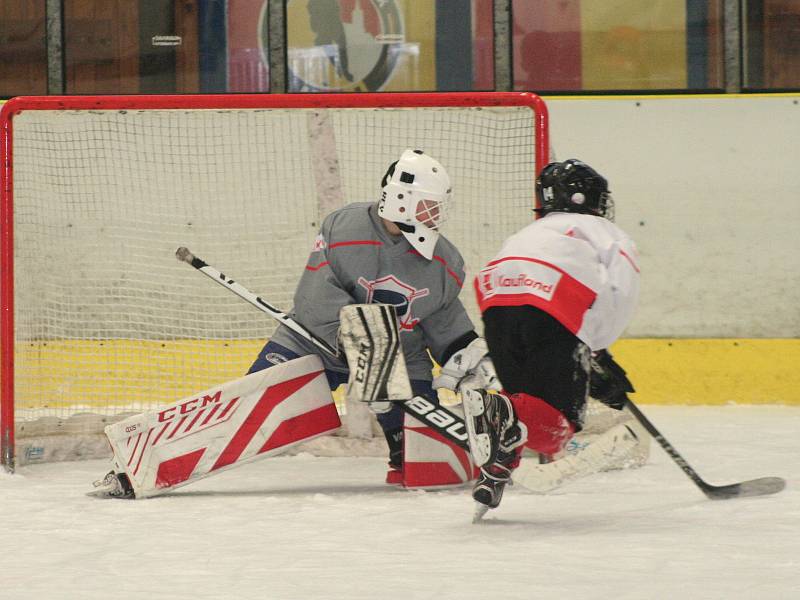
(23, 54)
(187, 55)
(782, 44)
(101, 46)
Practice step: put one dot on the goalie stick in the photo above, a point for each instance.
(761, 486)
(183, 254)
(442, 420)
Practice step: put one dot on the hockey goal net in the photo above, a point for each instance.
(100, 320)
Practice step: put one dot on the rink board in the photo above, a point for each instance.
(664, 371)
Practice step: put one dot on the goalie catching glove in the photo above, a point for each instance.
(472, 360)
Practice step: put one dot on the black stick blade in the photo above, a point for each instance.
(762, 486)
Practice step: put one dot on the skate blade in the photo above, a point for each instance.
(105, 494)
(480, 510)
(102, 492)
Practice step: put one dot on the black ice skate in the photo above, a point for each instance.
(488, 490)
(113, 485)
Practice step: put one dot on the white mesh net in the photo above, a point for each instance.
(109, 322)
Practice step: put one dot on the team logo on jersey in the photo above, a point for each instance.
(344, 45)
(485, 282)
(319, 243)
(390, 290)
(518, 277)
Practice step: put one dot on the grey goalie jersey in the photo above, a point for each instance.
(356, 261)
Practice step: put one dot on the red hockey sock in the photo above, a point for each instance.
(548, 429)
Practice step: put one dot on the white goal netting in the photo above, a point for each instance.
(108, 322)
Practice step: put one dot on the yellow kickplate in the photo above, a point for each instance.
(712, 371)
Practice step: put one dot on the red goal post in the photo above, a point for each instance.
(97, 319)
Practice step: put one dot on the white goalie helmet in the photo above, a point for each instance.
(415, 196)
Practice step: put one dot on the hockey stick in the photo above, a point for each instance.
(753, 487)
(186, 256)
(447, 423)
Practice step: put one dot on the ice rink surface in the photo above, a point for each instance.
(304, 527)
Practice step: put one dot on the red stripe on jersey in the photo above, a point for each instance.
(356, 243)
(319, 266)
(340, 245)
(439, 259)
(567, 299)
(448, 269)
(526, 259)
(271, 397)
(630, 260)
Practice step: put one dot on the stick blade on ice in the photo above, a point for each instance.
(763, 486)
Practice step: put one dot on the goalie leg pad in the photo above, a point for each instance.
(599, 419)
(605, 452)
(548, 429)
(431, 460)
(259, 415)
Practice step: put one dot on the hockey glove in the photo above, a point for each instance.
(608, 382)
(470, 360)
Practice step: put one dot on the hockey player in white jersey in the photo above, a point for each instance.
(555, 297)
(388, 252)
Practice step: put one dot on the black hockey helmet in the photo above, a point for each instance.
(573, 186)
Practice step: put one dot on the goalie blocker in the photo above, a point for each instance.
(259, 415)
(435, 447)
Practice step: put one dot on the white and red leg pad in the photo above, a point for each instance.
(432, 461)
(548, 429)
(259, 415)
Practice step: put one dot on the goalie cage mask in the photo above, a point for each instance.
(415, 196)
(573, 186)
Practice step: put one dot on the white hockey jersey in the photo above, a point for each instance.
(581, 269)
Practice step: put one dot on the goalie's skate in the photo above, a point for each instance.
(113, 485)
